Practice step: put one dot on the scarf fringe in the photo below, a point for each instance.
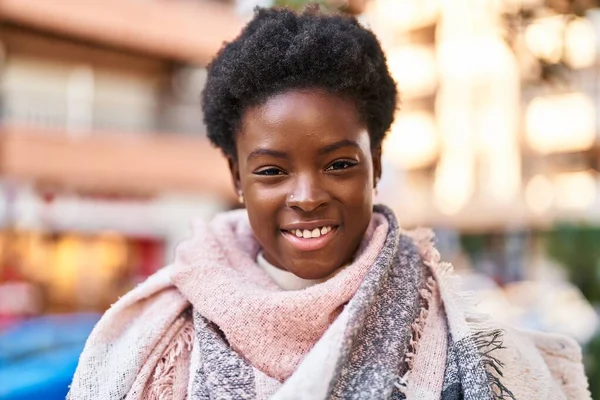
(419, 324)
(161, 387)
(448, 280)
(487, 338)
(417, 331)
(487, 343)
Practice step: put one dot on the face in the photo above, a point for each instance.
(306, 169)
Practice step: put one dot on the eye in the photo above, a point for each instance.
(269, 171)
(340, 165)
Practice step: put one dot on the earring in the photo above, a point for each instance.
(241, 197)
(375, 188)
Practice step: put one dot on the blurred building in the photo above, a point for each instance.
(103, 148)
(498, 127)
(104, 159)
(103, 155)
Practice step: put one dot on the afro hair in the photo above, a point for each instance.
(283, 50)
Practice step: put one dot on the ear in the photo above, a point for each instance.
(376, 156)
(234, 169)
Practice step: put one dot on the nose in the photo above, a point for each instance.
(307, 194)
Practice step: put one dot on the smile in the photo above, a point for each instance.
(308, 234)
(310, 240)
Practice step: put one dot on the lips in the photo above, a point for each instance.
(314, 233)
(310, 236)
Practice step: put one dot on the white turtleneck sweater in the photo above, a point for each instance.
(286, 280)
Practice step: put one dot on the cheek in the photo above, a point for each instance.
(357, 200)
(263, 200)
(356, 193)
(263, 206)
(263, 223)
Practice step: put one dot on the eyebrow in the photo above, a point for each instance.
(266, 152)
(261, 151)
(338, 145)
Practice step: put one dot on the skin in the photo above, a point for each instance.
(305, 156)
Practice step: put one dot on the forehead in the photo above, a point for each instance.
(301, 117)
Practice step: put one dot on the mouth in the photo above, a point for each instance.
(310, 239)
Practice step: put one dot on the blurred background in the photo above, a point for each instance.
(104, 160)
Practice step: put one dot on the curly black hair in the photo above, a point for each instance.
(281, 50)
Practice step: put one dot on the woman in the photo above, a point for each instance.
(310, 292)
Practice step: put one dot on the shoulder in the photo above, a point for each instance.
(562, 355)
(554, 346)
(543, 365)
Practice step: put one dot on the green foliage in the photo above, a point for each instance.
(472, 245)
(591, 358)
(300, 5)
(577, 248)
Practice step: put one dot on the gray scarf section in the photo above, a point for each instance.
(375, 342)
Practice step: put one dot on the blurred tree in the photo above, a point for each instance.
(473, 245)
(577, 248)
(345, 6)
(592, 365)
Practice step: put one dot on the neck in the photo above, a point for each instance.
(287, 280)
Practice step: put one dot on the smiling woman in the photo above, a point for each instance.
(304, 163)
(311, 291)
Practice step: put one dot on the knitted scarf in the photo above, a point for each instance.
(390, 325)
(271, 328)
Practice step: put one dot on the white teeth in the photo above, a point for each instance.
(307, 234)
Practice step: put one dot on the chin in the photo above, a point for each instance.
(308, 270)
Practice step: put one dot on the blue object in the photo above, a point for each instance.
(38, 357)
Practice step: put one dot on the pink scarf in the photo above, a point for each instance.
(273, 329)
(145, 345)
